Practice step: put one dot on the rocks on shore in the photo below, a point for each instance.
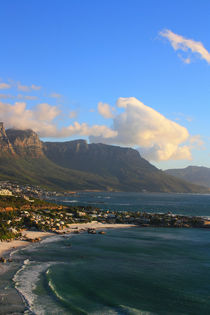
(3, 260)
(32, 240)
(91, 231)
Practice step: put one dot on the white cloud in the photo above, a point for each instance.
(182, 116)
(46, 112)
(86, 130)
(35, 87)
(41, 120)
(105, 110)
(19, 97)
(157, 137)
(73, 114)
(4, 86)
(179, 42)
(6, 96)
(23, 88)
(165, 152)
(26, 97)
(196, 141)
(137, 125)
(26, 88)
(55, 95)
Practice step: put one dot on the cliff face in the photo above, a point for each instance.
(96, 158)
(5, 145)
(25, 142)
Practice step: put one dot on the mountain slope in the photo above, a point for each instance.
(194, 174)
(123, 167)
(76, 165)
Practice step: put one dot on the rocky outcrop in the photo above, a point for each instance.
(25, 142)
(5, 145)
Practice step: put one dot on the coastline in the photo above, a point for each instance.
(7, 246)
(11, 300)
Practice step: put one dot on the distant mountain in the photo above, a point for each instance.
(77, 165)
(121, 168)
(198, 175)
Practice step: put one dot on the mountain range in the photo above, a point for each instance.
(198, 175)
(77, 165)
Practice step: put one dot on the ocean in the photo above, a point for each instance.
(126, 271)
(186, 204)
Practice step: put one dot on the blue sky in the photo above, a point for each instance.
(66, 63)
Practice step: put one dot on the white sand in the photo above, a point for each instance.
(6, 246)
(95, 225)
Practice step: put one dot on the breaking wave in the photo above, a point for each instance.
(25, 281)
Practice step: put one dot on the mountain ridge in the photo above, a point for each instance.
(77, 165)
(199, 175)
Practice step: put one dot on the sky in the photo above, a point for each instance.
(134, 73)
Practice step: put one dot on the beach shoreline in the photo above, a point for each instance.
(10, 299)
(7, 246)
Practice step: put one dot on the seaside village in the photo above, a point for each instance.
(27, 208)
(8, 188)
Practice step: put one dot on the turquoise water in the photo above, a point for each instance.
(127, 271)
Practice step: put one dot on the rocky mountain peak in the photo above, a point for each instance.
(5, 145)
(25, 142)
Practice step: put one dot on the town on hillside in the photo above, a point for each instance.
(8, 188)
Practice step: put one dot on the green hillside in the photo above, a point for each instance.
(45, 173)
(76, 165)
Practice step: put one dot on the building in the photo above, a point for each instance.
(5, 192)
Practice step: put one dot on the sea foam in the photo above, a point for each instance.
(25, 280)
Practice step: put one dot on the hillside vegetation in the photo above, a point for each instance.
(76, 165)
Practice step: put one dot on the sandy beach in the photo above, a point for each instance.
(80, 227)
(7, 246)
(11, 301)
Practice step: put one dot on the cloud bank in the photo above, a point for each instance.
(157, 137)
(135, 125)
(179, 42)
(41, 119)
